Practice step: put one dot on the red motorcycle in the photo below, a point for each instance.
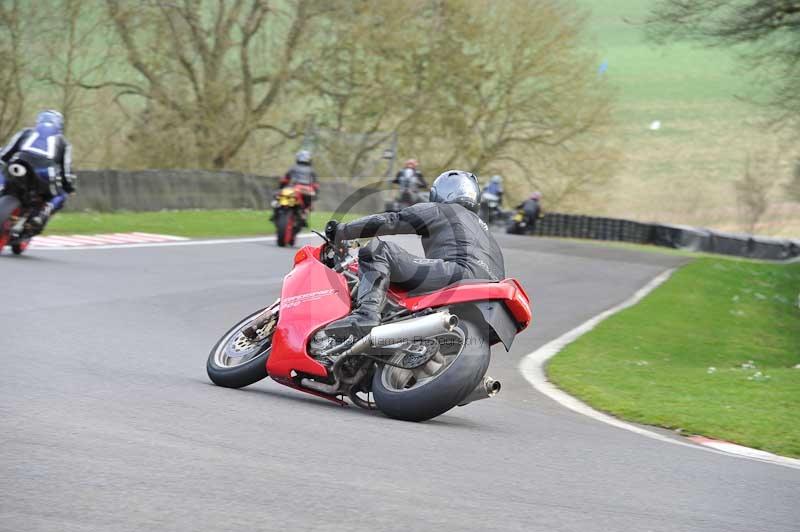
(290, 210)
(430, 353)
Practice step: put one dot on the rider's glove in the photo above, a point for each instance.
(331, 229)
(68, 183)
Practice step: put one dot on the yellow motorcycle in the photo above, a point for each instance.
(289, 212)
(517, 224)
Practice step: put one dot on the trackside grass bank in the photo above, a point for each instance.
(195, 223)
(714, 351)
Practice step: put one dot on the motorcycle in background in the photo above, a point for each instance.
(518, 224)
(22, 194)
(521, 224)
(290, 212)
(490, 211)
(429, 354)
(408, 194)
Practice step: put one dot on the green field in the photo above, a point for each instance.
(683, 173)
(198, 224)
(714, 351)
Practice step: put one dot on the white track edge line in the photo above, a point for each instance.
(532, 367)
(170, 243)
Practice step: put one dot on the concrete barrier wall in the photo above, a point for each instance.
(155, 190)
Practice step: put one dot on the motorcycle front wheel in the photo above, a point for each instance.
(439, 385)
(8, 204)
(237, 360)
(285, 227)
(20, 247)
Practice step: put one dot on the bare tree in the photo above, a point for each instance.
(369, 80)
(12, 67)
(76, 52)
(476, 85)
(525, 93)
(211, 71)
(792, 188)
(752, 191)
(770, 31)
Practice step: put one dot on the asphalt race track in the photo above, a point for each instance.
(109, 422)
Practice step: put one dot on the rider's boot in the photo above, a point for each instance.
(39, 220)
(371, 299)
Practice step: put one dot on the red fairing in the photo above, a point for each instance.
(312, 296)
(307, 252)
(509, 291)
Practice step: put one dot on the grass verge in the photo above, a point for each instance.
(714, 351)
(198, 224)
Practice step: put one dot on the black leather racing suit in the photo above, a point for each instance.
(457, 244)
(413, 181)
(44, 148)
(532, 211)
(302, 174)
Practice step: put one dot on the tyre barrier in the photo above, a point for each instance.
(665, 235)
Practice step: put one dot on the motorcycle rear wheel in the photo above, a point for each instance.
(416, 395)
(514, 228)
(237, 361)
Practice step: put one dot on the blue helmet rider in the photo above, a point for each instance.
(495, 186)
(45, 147)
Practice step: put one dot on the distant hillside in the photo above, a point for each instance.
(683, 172)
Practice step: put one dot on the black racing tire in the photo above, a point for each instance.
(281, 222)
(237, 376)
(514, 229)
(286, 227)
(19, 248)
(445, 390)
(296, 222)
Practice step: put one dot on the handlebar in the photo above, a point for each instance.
(338, 257)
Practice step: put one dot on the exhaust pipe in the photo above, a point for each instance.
(412, 330)
(487, 388)
(404, 331)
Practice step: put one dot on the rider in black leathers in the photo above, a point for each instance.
(410, 169)
(410, 182)
(457, 244)
(44, 146)
(302, 173)
(532, 211)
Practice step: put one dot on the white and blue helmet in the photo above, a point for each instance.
(51, 119)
